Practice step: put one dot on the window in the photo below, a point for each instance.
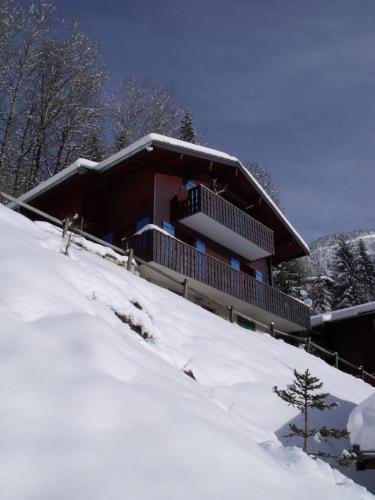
(169, 228)
(235, 263)
(108, 238)
(142, 223)
(246, 323)
(259, 275)
(190, 185)
(200, 246)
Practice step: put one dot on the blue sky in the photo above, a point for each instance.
(289, 84)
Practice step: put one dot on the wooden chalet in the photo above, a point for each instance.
(192, 212)
(349, 332)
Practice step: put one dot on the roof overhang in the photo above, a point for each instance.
(343, 314)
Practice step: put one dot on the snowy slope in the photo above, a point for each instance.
(91, 411)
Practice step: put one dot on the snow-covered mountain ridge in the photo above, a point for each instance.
(92, 411)
(322, 250)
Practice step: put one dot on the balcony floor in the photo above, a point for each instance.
(219, 299)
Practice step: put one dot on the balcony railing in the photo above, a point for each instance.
(173, 254)
(202, 200)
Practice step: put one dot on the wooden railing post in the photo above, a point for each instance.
(66, 226)
(231, 314)
(308, 344)
(361, 372)
(336, 355)
(130, 259)
(272, 329)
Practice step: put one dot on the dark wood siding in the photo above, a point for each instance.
(166, 188)
(352, 338)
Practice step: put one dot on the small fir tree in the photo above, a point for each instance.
(187, 131)
(365, 272)
(346, 282)
(94, 149)
(303, 395)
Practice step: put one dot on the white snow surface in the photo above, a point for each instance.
(91, 411)
(361, 424)
(149, 227)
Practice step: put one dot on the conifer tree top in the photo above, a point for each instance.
(187, 131)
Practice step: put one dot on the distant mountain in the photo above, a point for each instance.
(322, 249)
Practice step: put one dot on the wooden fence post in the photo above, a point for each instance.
(272, 329)
(361, 371)
(231, 314)
(186, 288)
(308, 344)
(66, 226)
(130, 259)
(336, 355)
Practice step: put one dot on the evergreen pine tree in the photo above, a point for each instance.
(289, 278)
(346, 283)
(187, 131)
(321, 294)
(94, 149)
(365, 274)
(303, 395)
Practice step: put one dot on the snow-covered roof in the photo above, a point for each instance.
(56, 179)
(341, 314)
(169, 142)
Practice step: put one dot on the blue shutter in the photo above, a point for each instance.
(169, 228)
(190, 185)
(259, 275)
(200, 246)
(142, 223)
(235, 263)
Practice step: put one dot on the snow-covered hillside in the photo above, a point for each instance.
(92, 411)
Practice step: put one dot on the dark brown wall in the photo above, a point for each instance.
(61, 203)
(118, 206)
(166, 188)
(353, 339)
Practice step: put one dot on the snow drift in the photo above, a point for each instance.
(92, 411)
(361, 424)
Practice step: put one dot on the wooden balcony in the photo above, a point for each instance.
(223, 284)
(208, 213)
